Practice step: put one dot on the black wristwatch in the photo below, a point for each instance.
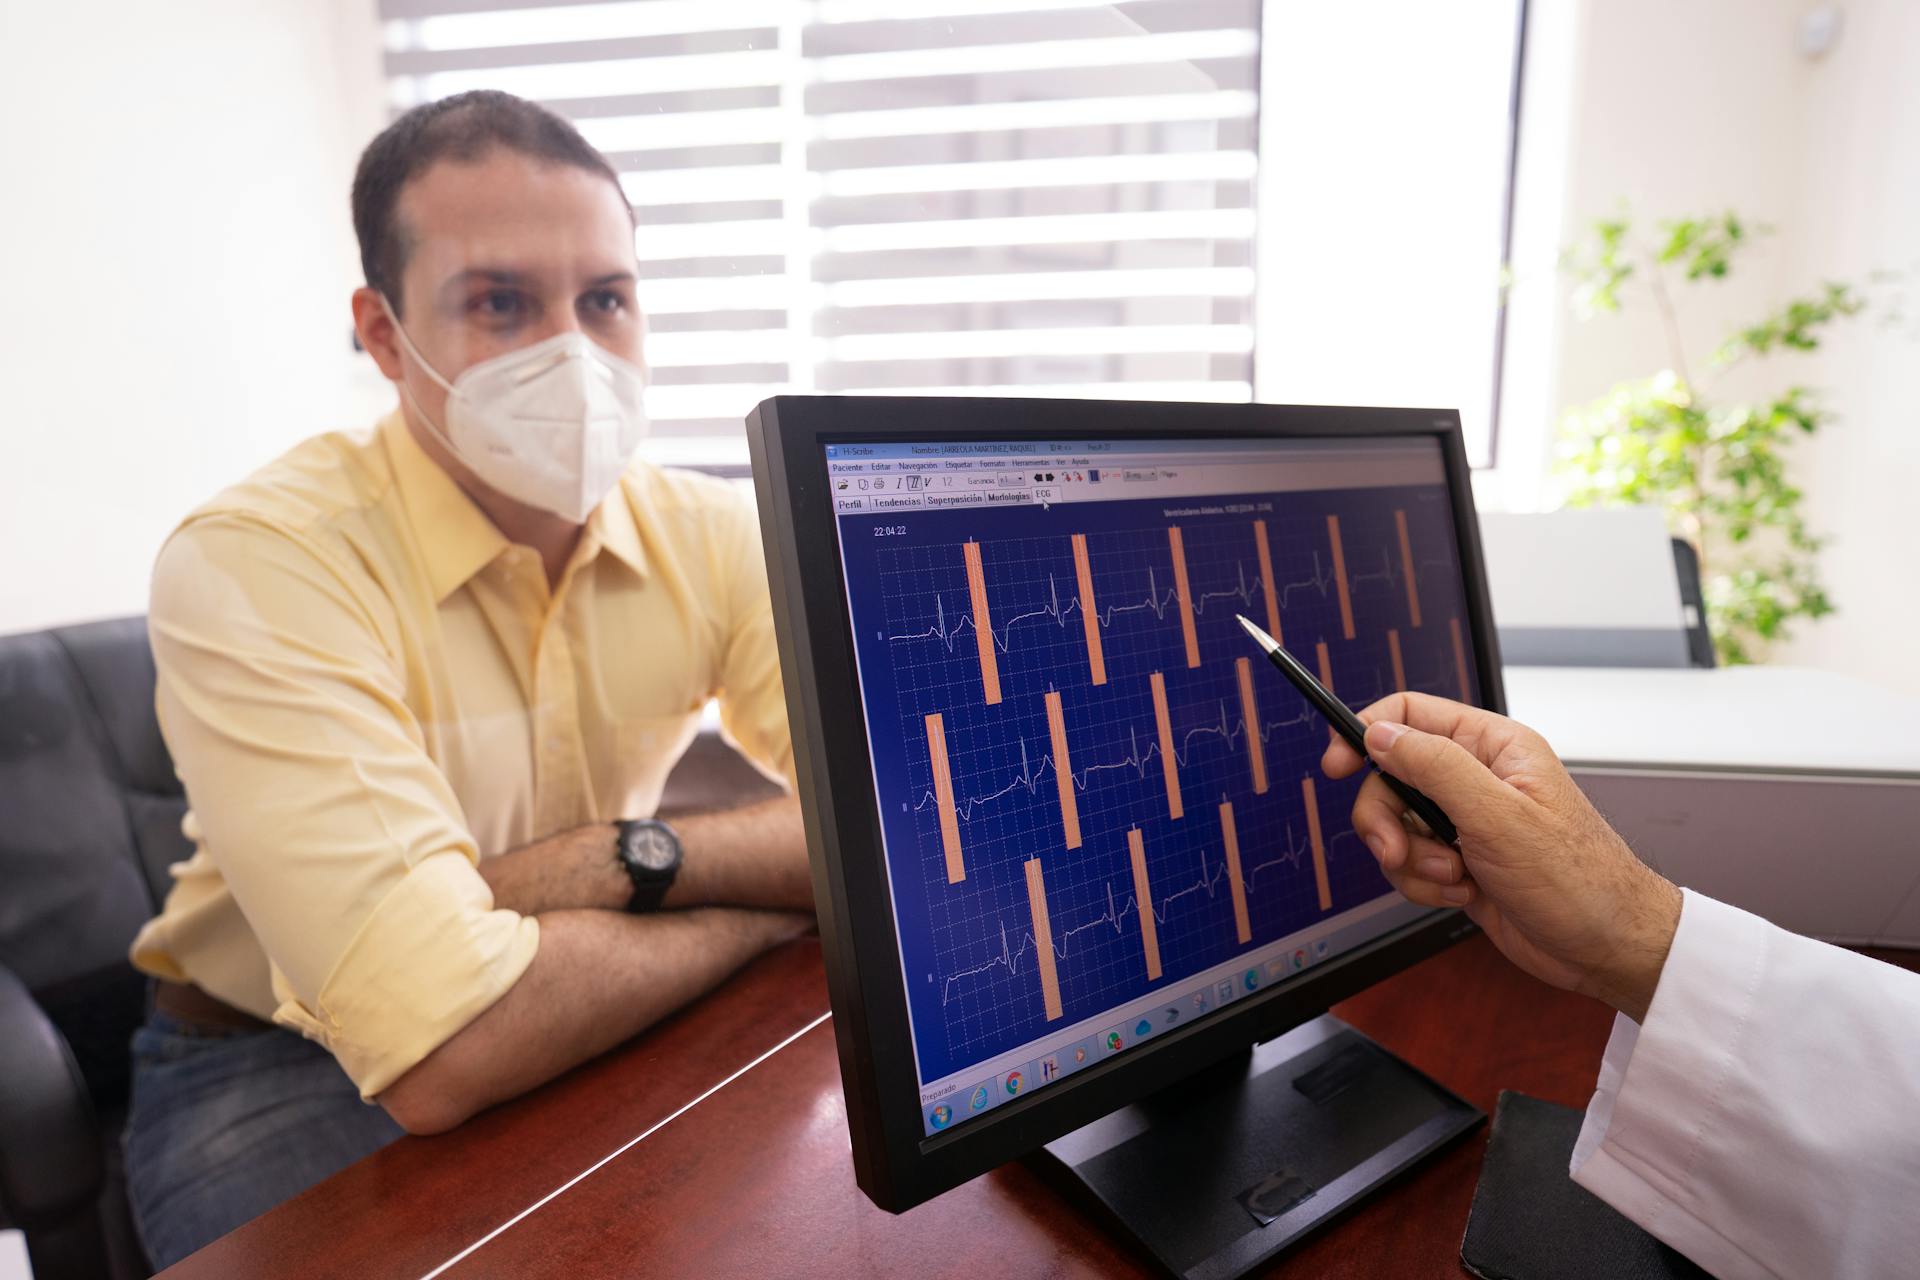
(649, 851)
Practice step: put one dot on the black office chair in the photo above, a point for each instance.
(1693, 604)
(90, 814)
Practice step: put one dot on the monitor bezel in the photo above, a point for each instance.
(896, 1162)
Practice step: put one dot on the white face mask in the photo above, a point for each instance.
(551, 425)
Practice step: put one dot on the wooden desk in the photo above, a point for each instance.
(732, 1156)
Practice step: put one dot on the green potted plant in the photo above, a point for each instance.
(1719, 468)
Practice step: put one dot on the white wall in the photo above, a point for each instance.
(1672, 107)
(1686, 107)
(1859, 212)
(178, 255)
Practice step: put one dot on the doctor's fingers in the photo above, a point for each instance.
(1382, 821)
(1419, 887)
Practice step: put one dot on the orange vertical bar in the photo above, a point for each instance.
(1250, 718)
(1043, 938)
(1241, 925)
(1186, 596)
(1399, 667)
(943, 797)
(1063, 769)
(1406, 567)
(1143, 898)
(1089, 615)
(1326, 674)
(1340, 576)
(1460, 660)
(1168, 766)
(1313, 838)
(1266, 579)
(982, 624)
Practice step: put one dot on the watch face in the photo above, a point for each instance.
(653, 848)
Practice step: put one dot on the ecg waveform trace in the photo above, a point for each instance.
(1118, 912)
(1097, 617)
(1136, 760)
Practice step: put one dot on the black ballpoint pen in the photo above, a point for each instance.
(1348, 726)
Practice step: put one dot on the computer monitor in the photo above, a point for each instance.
(1070, 840)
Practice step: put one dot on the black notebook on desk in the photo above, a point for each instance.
(1530, 1221)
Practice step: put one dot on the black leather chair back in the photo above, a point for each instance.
(93, 814)
(90, 815)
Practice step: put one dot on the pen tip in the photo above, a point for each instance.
(1266, 641)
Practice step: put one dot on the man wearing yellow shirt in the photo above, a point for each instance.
(423, 685)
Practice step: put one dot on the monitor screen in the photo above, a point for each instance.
(1102, 810)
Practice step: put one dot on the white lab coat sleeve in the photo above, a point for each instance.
(1765, 1121)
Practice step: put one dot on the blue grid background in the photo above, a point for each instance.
(968, 949)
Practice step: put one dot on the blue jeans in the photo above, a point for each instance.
(225, 1125)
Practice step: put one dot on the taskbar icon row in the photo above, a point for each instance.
(965, 1102)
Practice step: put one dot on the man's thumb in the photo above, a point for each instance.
(1446, 771)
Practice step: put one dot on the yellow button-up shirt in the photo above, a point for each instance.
(367, 689)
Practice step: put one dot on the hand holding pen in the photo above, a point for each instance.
(1553, 885)
(1348, 726)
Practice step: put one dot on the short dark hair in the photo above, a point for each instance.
(464, 128)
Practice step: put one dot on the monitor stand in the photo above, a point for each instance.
(1220, 1172)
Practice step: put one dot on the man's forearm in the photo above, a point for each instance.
(570, 871)
(753, 856)
(598, 978)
